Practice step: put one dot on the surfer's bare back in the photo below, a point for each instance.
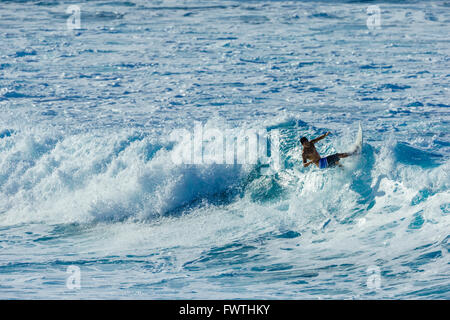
(310, 153)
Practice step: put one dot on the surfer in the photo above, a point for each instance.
(310, 152)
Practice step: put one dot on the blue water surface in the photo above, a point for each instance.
(86, 177)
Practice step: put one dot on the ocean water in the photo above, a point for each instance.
(93, 206)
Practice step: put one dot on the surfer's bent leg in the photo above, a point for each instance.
(343, 155)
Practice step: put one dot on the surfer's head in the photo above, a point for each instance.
(303, 140)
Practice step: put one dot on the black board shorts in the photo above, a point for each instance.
(329, 161)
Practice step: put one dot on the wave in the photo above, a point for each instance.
(108, 176)
(101, 176)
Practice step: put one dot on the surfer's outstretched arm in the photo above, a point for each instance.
(320, 138)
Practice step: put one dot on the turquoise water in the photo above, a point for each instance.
(87, 179)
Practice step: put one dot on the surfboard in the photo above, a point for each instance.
(359, 141)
